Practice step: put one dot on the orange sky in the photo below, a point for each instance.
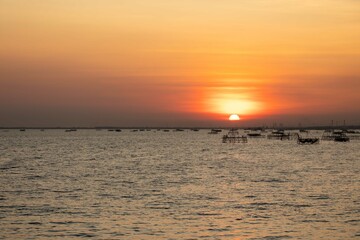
(174, 63)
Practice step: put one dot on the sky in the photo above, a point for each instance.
(171, 63)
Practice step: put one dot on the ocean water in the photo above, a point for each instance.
(175, 185)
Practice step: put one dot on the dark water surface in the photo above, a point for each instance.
(175, 185)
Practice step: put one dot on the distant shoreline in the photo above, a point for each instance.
(205, 127)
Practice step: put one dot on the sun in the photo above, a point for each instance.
(234, 117)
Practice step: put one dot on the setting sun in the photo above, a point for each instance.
(178, 63)
(234, 117)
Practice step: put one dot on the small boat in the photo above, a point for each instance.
(214, 131)
(71, 130)
(280, 135)
(342, 138)
(255, 135)
(351, 131)
(178, 130)
(307, 140)
(336, 135)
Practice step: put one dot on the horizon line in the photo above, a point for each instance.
(320, 127)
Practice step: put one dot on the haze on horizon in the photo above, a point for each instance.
(179, 63)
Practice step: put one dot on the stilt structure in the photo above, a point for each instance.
(233, 136)
(335, 135)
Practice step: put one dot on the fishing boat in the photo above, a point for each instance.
(342, 138)
(255, 135)
(337, 136)
(306, 140)
(280, 135)
(71, 130)
(215, 131)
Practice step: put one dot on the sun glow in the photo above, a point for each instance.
(230, 103)
(234, 117)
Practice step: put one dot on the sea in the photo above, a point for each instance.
(97, 184)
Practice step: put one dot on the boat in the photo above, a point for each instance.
(255, 135)
(71, 130)
(178, 130)
(335, 135)
(279, 134)
(342, 138)
(214, 131)
(307, 140)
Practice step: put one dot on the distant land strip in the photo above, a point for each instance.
(203, 127)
